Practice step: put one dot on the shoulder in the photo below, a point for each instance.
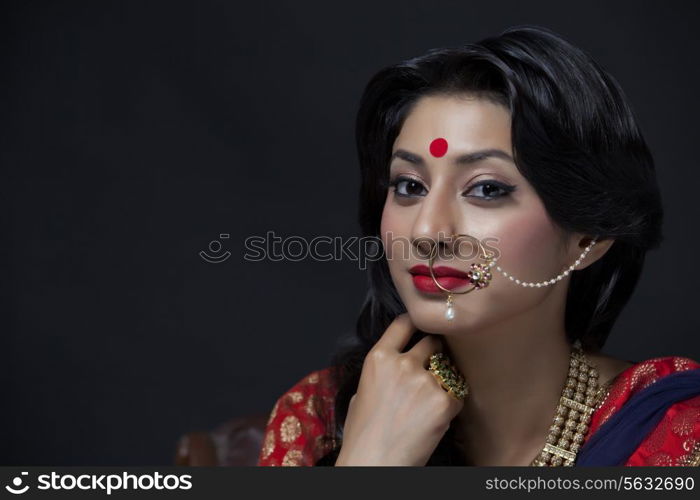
(300, 426)
(633, 379)
(676, 438)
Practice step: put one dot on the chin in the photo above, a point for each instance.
(431, 319)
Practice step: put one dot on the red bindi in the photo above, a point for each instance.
(438, 147)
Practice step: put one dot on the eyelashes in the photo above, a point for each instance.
(487, 187)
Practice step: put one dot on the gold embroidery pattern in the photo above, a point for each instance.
(660, 459)
(601, 397)
(295, 397)
(301, 423)
(694, 456)
(679, 428)
(613, 394)
(603, 394)
(644, 374)
(688, 444)
(311, 407)
(292, 458)
(670, 432)
(680, 364)
(268, 443)
(684, 421)
(290, 429)
(273, 413)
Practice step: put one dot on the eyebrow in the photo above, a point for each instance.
(464, 159)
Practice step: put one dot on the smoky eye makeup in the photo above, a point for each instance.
(492, 189)
(405, 186)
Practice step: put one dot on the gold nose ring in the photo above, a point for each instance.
(479, 275)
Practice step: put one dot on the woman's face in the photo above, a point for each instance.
(484, 196)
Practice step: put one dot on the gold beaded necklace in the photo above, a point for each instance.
(579, 399)
(573, 414)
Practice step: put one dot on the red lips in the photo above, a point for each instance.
(448, 277)
(439, 271)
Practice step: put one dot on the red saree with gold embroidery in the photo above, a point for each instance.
(300, 426)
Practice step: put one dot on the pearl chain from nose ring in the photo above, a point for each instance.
(543, 283)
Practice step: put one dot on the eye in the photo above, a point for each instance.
(407, 187)
(491, 190)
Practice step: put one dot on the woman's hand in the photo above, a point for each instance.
(400, 412)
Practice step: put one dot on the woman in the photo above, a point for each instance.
(524, 147)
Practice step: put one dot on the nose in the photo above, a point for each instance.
(437, 220)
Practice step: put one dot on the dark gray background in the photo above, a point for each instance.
(134, 133)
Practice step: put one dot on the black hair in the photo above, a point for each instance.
(575, 140)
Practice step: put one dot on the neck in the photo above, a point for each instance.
(515, 371)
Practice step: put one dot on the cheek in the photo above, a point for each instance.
(529, 245)
(393, 230)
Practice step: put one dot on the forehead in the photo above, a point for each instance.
(466, 122)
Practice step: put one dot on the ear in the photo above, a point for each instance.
(579, 242)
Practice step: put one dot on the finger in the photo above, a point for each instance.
(397, 334)
(424, 348)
